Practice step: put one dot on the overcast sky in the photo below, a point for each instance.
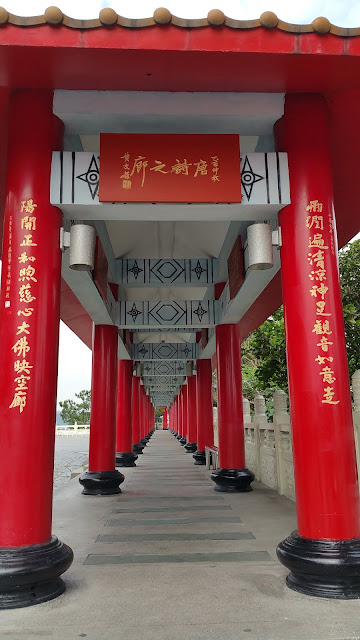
(75, 358)
(345, 13)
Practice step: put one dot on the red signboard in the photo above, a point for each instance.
(169, 168)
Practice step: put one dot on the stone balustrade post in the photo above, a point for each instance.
(281, 419)
(259, 419)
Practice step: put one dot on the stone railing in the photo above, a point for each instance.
(268, 445)
(72, 429)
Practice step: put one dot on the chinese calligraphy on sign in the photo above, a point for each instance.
(317, 259)
(26, 278)
(170, 168)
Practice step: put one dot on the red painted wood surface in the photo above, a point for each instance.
(124, 406)
(136, 410)
(327, 495)
(29, 323)
(204, 405)
(229, 390)
(138, 167)
(103, 395)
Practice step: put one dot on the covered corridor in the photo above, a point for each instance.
(170, 558)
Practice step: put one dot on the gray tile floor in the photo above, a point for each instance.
(206, 578)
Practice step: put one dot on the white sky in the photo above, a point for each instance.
(74, 357)
(344, 13)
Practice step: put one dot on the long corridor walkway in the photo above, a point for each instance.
(170, 559)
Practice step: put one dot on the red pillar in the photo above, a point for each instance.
(137, 445)
(124, 453)
(184, 420)
(165, 419)
(324, 556)
(29, 335)
(142, 414)
(191, 415)
(102, 478)
(232, 475)
(204, 410)
(179, 413)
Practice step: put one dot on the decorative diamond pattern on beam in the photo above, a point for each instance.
(165, 351)
(186, 313)
(167, 271)
(164, 368)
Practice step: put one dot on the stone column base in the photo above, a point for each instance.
(125, 459)
(101, 483)
(199, 457)
(232, 480)
(322, 568)
(31, 574)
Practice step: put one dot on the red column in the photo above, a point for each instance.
(137, 445)
(180, 420)
(184, 420)
(165, 419)
(327, 495)
(191, 415)
(124, 453)
(29, 335)
(102, 478)
(142, 415)
(204, 410)
(232, 475)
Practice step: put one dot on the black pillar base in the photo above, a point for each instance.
(178, 437)
(199, 457)
(125, 459)
(101, 483)
(31, 575)
(232, 480)
(182, 441)
(144, 441)
(190, 447)
(138, 448)
(322, 568)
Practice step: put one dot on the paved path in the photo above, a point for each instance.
(71, 452)
(170, 559)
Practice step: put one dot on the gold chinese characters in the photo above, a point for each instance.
(317, 257)
(26, 279)
(140, 165)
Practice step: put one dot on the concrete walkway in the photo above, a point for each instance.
(170, 559)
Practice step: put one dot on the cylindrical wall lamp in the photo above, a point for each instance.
(82, 247)
(258, 250)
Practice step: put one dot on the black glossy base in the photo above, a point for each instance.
(101, 483)
(190, 447)
(31, 575)
(178, 437)
(322, 568)
(199, 457)
(138, 448)
(232, 480)
(125, 459)
(182, 441)
(144, 441)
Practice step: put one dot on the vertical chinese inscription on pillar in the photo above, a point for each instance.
(26, 304)
(318, 257)
(9, 266)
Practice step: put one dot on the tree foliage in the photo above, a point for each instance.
(349, 263)
(76, 411)
(263, 353)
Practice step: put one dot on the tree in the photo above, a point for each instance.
(263, 353)
(349, 263)
(76, 411)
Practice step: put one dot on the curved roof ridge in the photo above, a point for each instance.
(215, 19)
